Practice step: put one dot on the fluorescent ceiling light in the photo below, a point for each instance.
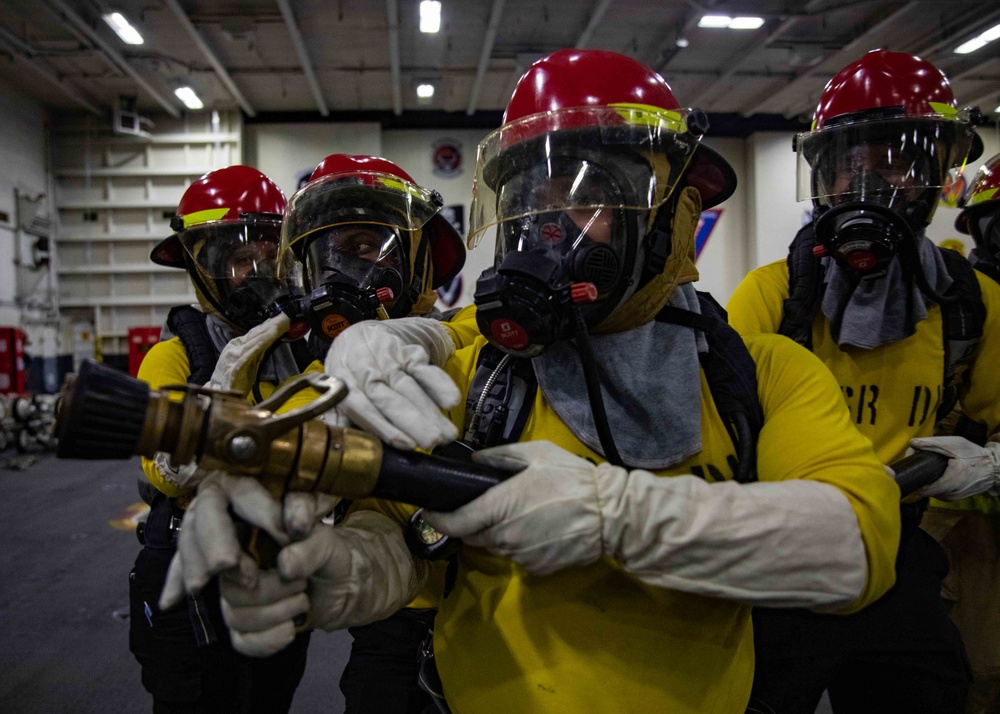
(190, 99)
(971, 46)
(123, 29)
(425, 91)
(733, 23)
(746, 23)
(430, 16)
(997, 110)
(715, 21)
(991, 34)
(981, 40)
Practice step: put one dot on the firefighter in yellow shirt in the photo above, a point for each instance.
(884, 309)
(971, 536)
(583, 585)
(227, 231)
(373, 244)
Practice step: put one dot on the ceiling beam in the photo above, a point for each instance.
(489, 40)
(805, 77)
(595, 19)
(969, 71)
(84, 40)
(300, 48)
(988, 101)
(392, 9)
(964, 30)
(23, 52)
(964, 26)
(67, 15)
(209, 55)
(733, 64)
(484, 57)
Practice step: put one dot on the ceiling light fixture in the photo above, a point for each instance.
(746, 23)
(190, 99)
(682, 42)
(430, 16)
(731, 23)
(425, 91)
(128, 34)
(979, 41)
(715, 21)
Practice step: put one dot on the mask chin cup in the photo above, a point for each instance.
(244, 307)
(332, 308)
(517, 308)
(860, 236)
(291, 305)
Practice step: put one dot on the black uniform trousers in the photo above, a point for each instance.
(188, 662)
(381, 676)
(900, 654)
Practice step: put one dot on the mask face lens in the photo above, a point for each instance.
(369, 256)
(555, 206)
(251, 260)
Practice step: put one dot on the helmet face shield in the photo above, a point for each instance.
(569, 149)
(236, 263)
(891, 162)
(372, 198)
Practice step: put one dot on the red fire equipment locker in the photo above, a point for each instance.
(13, 376)
(140, 341)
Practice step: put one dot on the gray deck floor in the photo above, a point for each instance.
(64, 595)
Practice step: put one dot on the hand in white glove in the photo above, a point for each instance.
(397, 387)
(547, 517)
(972, 469)
(240, 360)
(183, 477)
(261, 617)
(791, 543)
(208, 544)
(359, 571)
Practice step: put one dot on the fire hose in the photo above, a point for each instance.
(105, 414)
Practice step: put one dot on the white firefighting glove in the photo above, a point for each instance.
(261, 616)
(183, 477)
(240, 359)
(789, 544)
(359, 571)
(397, 388)
(971, 470)
(208, 544)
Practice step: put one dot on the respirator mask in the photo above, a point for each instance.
(236, 269)
(354, 273)
(550, 263)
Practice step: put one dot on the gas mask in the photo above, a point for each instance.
(865, 234)
(985, 231)
(526, 302)
(356, 272)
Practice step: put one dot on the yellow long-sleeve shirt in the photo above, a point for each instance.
(892, 391)
(595, 638)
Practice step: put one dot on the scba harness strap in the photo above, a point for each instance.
(505, 386)
(962, 319)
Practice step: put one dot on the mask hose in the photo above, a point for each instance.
(592, 378)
